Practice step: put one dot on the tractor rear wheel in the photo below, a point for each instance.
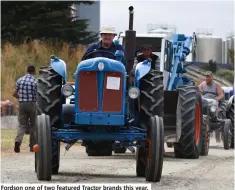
(191, 122)
(230, 115)
(151, 97)
(140, 161)
(44, 155)
(205, 136)
(50, 103)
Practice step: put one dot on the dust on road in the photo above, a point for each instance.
(216, 171)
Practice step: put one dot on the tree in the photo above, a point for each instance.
(231, 56)
(212, 66)
(44, 20)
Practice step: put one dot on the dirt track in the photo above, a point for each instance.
(212, 172)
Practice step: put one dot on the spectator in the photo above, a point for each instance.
(25, 91)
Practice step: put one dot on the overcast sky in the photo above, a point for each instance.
(188, 16)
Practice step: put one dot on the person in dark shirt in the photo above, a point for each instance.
(106, 44)
(147, 53)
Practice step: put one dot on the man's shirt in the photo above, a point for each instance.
(154, 58)
(98, 46)
(27, 88)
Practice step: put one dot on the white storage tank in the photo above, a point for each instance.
(224, 51)
(208, 48)
(229, 45)
(230, 42)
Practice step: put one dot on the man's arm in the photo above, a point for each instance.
(15, 93)
(89, 49)
(200, 87)
(219, 92)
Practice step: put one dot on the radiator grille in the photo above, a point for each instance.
(88, 91)
(112, 99)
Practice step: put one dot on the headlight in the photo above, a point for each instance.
(133, 92)
(67, 90)
(213, 108)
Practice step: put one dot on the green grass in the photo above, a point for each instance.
(8, 140)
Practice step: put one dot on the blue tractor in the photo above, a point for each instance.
(222, 117)
(105, 109)
(185, 126)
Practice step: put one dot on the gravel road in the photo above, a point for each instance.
(212, 172)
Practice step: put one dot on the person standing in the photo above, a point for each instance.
(25, 91)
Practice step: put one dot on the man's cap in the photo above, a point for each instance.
(208, 73)
(108, 30)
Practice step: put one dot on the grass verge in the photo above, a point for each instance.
(8, 140)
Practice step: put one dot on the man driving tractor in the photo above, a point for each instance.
(147, 53)
(210, 89)
(106, 44)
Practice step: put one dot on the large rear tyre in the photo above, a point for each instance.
(191, 122)
(49, 95)
(205, 136)
(44, 155)
(155, 150)
(140, 161)
(151, 97)
(55, 157)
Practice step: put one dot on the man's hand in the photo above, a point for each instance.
(15, 94)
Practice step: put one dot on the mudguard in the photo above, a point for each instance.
(59, 66)
(141, 70)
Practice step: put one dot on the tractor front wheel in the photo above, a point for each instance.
(44, 154)
(155, 150)
(226, 134)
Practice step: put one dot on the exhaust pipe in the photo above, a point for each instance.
(130, 42)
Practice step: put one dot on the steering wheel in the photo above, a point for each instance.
(91, 54)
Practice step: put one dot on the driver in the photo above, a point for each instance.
(106, 44)
(147, 53)
(210, 89)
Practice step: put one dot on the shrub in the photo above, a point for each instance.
(226, 74)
